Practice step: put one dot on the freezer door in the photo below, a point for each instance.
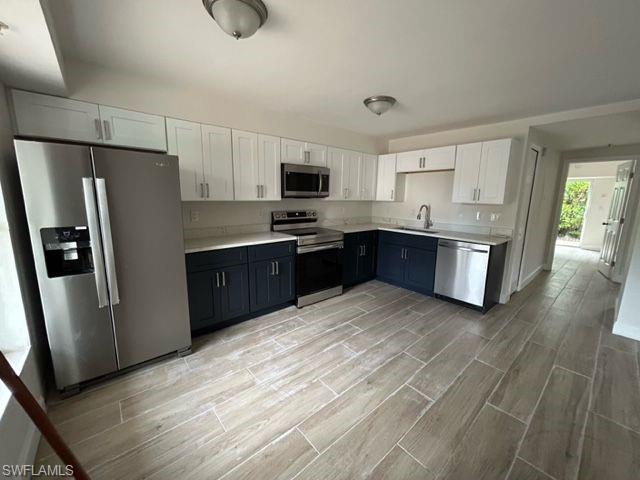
(141, 216)
(58, 189)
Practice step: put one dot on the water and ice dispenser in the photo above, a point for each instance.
(67, 251)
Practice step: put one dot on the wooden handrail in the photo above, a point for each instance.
(39, 417)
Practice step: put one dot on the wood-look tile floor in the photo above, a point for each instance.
(383, 383)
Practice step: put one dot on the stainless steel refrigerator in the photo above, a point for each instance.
(106, 232)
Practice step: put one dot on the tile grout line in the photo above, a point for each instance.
(307, 439)
(331, 389)
(534, 467)
(489, 404)
(616, 423)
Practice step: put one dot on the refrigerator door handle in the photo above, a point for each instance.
(105, 224)
(96, 246)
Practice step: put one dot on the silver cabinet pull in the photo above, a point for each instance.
(207, 184)
(96, 123)
(96, 245)
(218, 279)
(273, 268)
(224, 279)
(364, 250)
(478, 199)
(105, 224)
(474, 194)
(277, 268)
(107, 130)
(307, 156)
(391, 194)
(257, 191)
(201, 190)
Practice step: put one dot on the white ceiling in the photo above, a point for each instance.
(449, 64)
(615, 129)
(28, 57)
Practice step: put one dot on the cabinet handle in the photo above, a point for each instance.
(207, 184)
(364, 250)
(257, 191)
(478, 199)
(107, 130)
(474, 194)
(273, 268)
(224, 279)
(202, 190)
(96, 123)
(307, 156)
(218, 279)
(277, 267)
(391, 194)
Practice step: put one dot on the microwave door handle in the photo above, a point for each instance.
(105, 224)
(96, 246)
(319, 183)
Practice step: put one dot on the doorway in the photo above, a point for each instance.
(575, 206)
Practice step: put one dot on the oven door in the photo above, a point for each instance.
(318, 268)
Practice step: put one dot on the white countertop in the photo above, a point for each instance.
(445, 234)
(230, 241)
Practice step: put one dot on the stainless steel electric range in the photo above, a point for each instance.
(319, 255)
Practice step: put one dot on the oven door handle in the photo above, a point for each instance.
(318, 248)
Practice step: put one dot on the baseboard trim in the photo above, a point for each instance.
(627, 331)
(529, 278)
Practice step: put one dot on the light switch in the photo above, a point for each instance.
(195, 216)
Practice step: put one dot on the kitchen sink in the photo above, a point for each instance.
(418, 229)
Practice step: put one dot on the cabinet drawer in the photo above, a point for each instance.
(216, 258)
(410, 240)
(271, 250)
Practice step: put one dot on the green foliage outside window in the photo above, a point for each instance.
(576, 194)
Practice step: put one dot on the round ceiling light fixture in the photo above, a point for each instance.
(379, 104)
(238, 18)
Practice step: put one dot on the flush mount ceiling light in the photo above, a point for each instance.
(238, 18)
(379, 104)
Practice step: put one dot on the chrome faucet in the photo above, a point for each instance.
(427, 218)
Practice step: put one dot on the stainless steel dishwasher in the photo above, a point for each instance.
(461, 271)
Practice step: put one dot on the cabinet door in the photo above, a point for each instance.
(337, 183)
(45, 116)
(269, 167)
(292, 151)
(441, 158)
(217, 162)
(351, 174)
(133, 129)
(391, 262)
(410, 161)
(184, 139)
(351, 256)
(493, 171)
(204, 299)
(259, 276)
(234, 292)
(386, 184)
(282, 284)
(368, 257)
(368, 176)
(317, 154)
(246, 182)
(420, 269)
(465, 178)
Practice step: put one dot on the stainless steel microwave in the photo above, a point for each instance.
(304, 181)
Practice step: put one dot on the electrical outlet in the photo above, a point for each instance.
(194, 216)
(478, 216)
(495, 216)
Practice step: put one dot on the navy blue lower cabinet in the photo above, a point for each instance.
(350, 259)
(204, 299)
(391, 262)
(271, 282)
(420, 270)
(234, 292)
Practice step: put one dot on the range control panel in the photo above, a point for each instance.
(292, 217)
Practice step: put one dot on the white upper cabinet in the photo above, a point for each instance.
(133, 129)
(368, 176)
(217, 162)
(256, 166)
(336, 174)
(269, 167)
(344, 180)
(465, 178)
(303, 153)
(390, 186)
(481, 172)
(184, 139)
(430, 159)
(45, 116)
(494, 165)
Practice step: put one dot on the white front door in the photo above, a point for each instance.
(615, 219)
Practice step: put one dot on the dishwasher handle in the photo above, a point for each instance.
(465, 247)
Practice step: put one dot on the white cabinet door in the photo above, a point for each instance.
(410, 161)
(492, 179)
(465, 178)
(269, 167)
(246, 181)
(337, 183)
(351, 174)
(133, 129)
(45, 116)
(386, 186)
(184, 139)
(292, 151)
(441, 158)
(317, 154)
(217, 162)
(368, 176)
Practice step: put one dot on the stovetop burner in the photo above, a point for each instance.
(302, 224)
